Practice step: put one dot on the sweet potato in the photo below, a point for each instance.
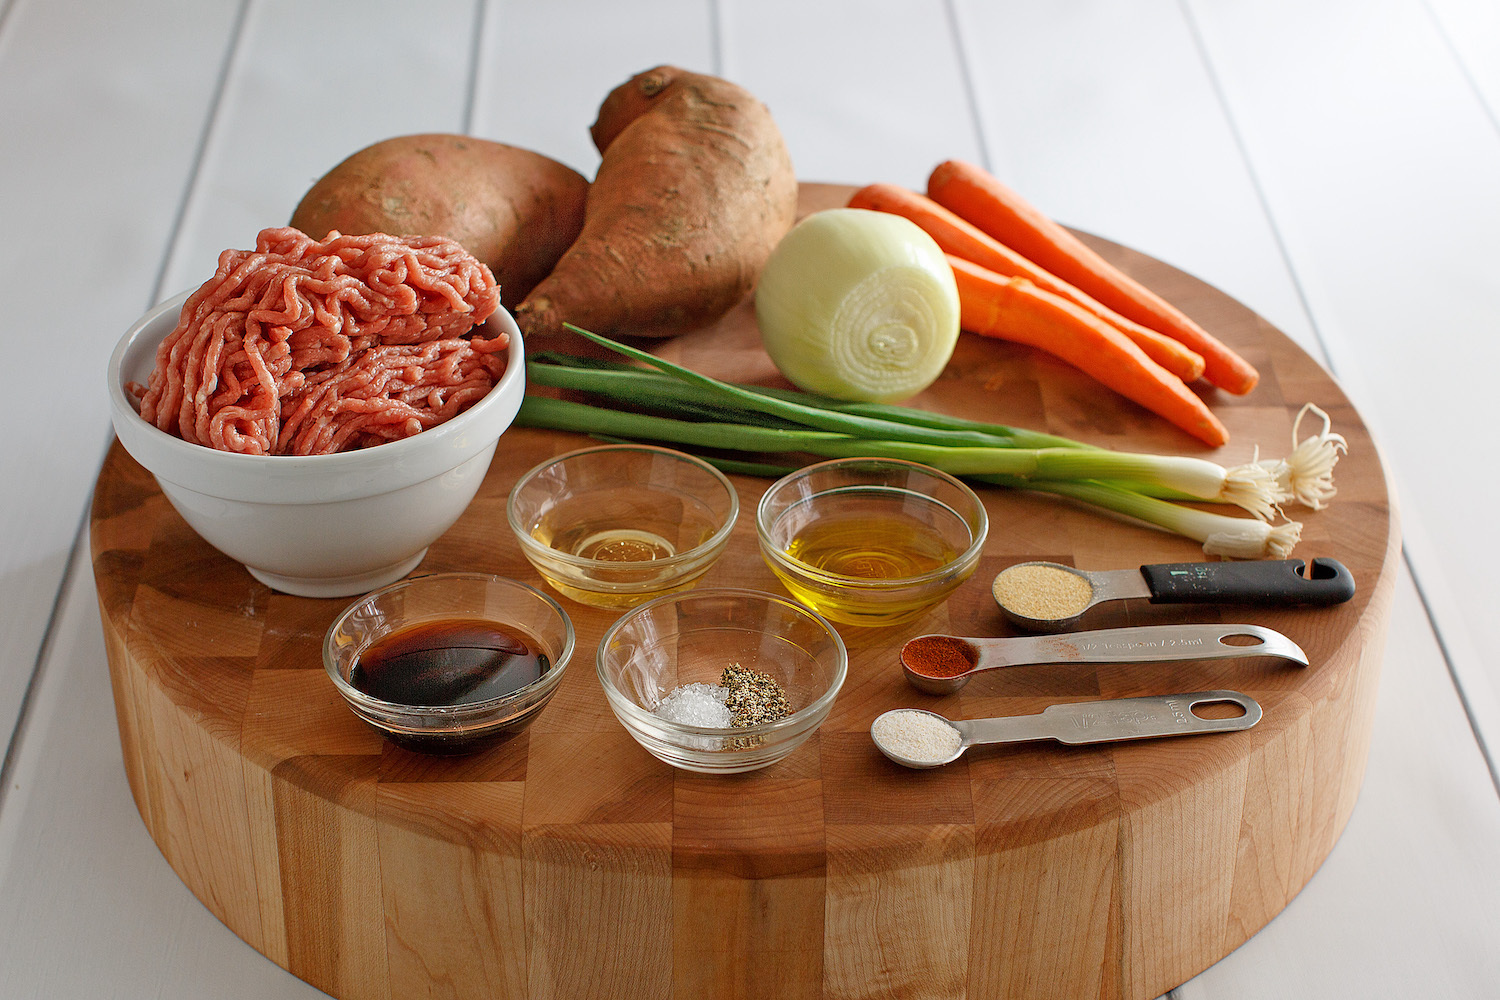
(694, 190)
(514, 209)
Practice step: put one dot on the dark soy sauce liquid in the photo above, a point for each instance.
(449, 662)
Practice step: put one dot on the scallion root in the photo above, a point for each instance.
(1310, 465)
(1247, 539)
(1259, 488)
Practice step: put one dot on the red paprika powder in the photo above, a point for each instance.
(939, 656)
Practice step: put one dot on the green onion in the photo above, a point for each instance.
(1221, 535)
(566, 415)
(654, 390)
(1253, 486)
(1040, 465)
(754, 430)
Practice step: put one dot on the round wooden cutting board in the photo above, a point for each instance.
(568, 863)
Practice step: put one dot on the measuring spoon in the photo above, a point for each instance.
(1073, 724)
(966, 657)
(1277, 582)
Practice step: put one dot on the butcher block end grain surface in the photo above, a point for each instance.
(570, 863)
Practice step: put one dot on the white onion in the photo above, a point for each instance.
(858, 305)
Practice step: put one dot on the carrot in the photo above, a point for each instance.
(1015, 309)
(974, 194)
(962, 239)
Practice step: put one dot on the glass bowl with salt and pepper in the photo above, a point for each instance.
(721, 680)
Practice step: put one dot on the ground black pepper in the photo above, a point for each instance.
(753, 697)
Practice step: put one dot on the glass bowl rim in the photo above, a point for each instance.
(958, 563)
(714, 542)
(620, 702)
(541, 685)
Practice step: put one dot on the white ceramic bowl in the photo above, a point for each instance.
(321, 525)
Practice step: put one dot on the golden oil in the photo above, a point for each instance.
(630, 547)
(872, 547)
(871, 542)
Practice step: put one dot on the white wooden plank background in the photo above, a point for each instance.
(1331, 163)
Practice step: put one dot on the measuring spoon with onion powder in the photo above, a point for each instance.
(1051, 597)
(941, 664)
(916, 738)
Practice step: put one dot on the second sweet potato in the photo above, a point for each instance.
(694, 191)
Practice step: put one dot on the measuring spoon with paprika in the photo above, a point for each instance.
(942, 664)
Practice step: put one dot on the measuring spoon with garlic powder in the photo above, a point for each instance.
(941, 664)
(1051, 597)
(916, 738)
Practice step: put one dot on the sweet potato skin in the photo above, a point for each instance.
(516, 210)
(694, 191)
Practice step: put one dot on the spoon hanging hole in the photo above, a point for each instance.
(1241, 639)
(1218, 710)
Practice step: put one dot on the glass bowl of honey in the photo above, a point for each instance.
(871, 541)
(617, 525)
(449, 663)
(721, 680)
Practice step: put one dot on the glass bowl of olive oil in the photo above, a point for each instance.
(871, 541)
(618, 525)
(449, 663)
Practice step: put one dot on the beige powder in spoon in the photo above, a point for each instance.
(1042, 592)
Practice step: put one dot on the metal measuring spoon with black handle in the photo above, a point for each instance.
(1078, 723)
(958, 658)
(1276, 582)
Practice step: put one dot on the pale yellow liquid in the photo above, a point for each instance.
(632, 538)
(872, 547)
(875, 536)
(624, 545)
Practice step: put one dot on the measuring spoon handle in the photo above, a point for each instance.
(1139, 644)
(1252, 582)
(1115, 719)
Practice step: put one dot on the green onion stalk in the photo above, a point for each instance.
(1220, 535)
(699, 412)
(1231, 537)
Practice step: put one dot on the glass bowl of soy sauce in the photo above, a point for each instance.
(449, 663)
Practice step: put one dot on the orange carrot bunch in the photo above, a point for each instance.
(1023, 277)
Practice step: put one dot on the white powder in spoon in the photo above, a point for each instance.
(917, 736)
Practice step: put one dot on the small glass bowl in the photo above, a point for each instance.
(618, 525)
(870, 541)
(689, 639)
(442, 597)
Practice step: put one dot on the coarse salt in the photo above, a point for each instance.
(696, 705)
(918, 736)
